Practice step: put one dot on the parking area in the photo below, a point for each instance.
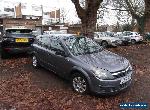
(22, 86)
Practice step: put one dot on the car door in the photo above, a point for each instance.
(42, 51)
(59, 62)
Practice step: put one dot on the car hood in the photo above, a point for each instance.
(105, 60)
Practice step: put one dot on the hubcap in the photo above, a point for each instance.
(79, 84)
(34, 61)
(133, 41)
(104, 44)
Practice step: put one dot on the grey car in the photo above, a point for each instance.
(85, 63)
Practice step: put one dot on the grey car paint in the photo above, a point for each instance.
(106, 60)
(65, 65)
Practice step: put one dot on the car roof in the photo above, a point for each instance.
(58, 36)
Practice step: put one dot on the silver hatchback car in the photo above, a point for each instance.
(85, 63)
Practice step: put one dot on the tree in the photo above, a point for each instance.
(144, 17)
(146, 13)
(135, 8)
(87, 12)
(63, 15)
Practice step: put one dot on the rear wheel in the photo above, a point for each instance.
(133, 41)
(4, 55)
(80, 83)
(35, 62)
(104, 44)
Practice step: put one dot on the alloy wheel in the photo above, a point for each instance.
(79, 84)
(34, 61)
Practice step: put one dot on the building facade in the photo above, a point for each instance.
(28, 16)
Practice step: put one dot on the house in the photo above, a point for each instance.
(27, 15)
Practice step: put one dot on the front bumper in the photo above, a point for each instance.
(109, 86)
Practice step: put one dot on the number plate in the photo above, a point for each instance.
(125, 79)
(22, 40)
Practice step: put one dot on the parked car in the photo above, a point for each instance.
(16, 41)
(85, 63)
(106, 40)
(53, 32)
(147, 36)
(123, 37)
(135, 37)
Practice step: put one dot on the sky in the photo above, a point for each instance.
(68, 6)
(49, 4)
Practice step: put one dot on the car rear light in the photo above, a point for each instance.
(31, 39)
(7, 49)
(137, 36)
(8, 39)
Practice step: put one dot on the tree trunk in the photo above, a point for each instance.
(147, 23)
(88, 15)
(147, 15)
(140, 24)
(89, 24)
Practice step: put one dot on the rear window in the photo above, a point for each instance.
(20, 35)
(18, 31)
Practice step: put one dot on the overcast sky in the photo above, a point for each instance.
(66, 4)
(69, 7)
(50, 3)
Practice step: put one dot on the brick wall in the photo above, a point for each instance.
(28, 23)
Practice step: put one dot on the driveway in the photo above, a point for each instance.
(23, 87)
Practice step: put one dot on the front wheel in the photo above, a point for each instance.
(133, 41)
(104, 44)
(35, 62)
(80, 83)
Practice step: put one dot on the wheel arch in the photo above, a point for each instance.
(104, 41)
(82, 71)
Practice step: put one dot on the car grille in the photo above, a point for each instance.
(121, 73)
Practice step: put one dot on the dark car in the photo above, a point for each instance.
(85, 63)
(147, 36)
(16, 41)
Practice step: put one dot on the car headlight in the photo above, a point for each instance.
(112, 40)
(102, 74)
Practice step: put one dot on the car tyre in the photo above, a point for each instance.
(133, 41)
(80, 83)
(4, 55)
(35, 62)
(104, 44)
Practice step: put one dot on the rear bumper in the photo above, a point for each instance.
(17, 50)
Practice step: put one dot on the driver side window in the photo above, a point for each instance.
(56, 46)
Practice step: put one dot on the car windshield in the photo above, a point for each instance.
(82, 45)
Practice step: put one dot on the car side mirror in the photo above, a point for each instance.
(62, 53)
(4, 35)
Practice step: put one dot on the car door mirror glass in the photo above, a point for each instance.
(62, 53)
